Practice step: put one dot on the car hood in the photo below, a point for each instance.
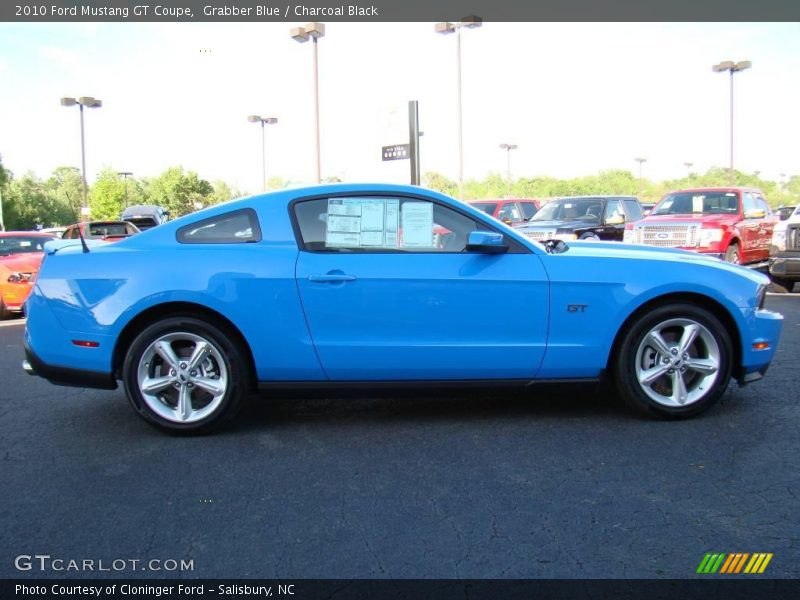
(558, 224)
(28, 262)
(708, 220)
(654, 253)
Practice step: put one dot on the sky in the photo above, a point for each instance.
(576, 98)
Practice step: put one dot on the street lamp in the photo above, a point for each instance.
(731, 67)
(312, 31)
(264, 121)
(508, 148)
(445, 28)
(91, 103)
(640, 160)
(125, 175)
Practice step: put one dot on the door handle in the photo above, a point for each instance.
(331, 278)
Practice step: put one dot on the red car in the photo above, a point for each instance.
(21, 254)
(732, 223)
(105, 231)
(510, 211)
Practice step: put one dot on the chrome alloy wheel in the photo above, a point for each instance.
(182, 377)
(677, 362)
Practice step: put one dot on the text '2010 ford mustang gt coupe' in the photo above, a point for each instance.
(338, 284)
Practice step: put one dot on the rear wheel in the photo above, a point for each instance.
(675, 361)
(185, 375)
(4, 312)
(732, 254)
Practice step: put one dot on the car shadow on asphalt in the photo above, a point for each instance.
(544, 401)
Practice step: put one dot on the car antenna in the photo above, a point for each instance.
(75, 216)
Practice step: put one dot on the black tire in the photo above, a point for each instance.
(733, 255)
(637, 355)
(589, 237)
(4, 312)
(220, 365)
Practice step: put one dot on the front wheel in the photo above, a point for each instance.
(675, 361)
(185, 375)
(732, 254)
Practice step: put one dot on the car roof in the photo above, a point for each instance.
(727, 188)
(25, 233)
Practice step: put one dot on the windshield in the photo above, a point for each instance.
(19, 244)
(143, 223)
(571, 209)
(706, 203)
(487, 207)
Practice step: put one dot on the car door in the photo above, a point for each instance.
(752, 229)
(383, 301)
(613, 221)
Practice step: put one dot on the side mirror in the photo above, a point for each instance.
(756, 213)
(615, 220)
(487, 242)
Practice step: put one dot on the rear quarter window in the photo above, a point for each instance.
(237, 227)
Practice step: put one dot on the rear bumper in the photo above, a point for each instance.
(33, 365)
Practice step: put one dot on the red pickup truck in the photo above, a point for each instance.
(732, 223)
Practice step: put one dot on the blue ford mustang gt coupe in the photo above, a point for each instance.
(342, 284)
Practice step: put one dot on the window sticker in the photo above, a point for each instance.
(417, 225)
(362, 223)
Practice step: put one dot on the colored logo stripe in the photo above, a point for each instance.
(732, 563)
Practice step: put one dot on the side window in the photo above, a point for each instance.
(613, 212)
(510, 212)
(634, 210)
(235, 227)
(381, 224)
(749, 203)
(528, 209)
(762, 204)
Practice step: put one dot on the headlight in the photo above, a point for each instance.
(779, 239)
(709, 236)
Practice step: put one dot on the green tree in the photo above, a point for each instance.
(440, 183)
(181, 192)
(65, 187)
(107, 197)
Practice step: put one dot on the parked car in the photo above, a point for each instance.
(107, 231)
(784, 251)
(342, 284)
(56, 231)
(145, 216)
(509, 211)
(732, 223)
(583, 218)
(784, 212)
(21, 255)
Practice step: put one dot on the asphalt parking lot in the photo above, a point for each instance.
(564, 483)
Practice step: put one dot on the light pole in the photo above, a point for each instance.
(312, 31)
(445, 28)
(91, 103)
(640, 160)
(264, 121)
(508, 148)
(125, 175)
(688, 166)
(732, 67)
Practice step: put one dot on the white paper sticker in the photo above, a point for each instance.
(417, 225)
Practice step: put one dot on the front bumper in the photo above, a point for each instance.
(785, 264)
(33, 365)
